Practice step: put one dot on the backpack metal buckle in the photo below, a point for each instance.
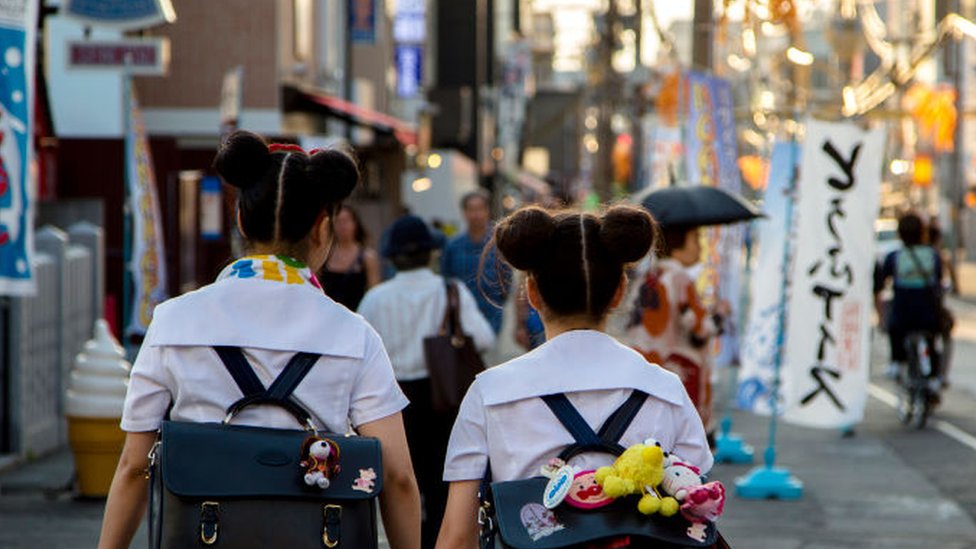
(209, 515)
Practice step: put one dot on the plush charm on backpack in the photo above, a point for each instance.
(320, 459)
(700, 503)
(638, 471)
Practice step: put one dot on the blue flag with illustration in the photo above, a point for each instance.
(711, 159)
(761, 341)
(16, 190)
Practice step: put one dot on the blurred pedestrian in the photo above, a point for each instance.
(575, 263)
(465, 258)
(405, 310)
(270, 304)
(352, 267)
(529, 330)
(669, 325)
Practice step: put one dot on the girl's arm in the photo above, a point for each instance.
(128, 495)
(459, 530)
(400, 498)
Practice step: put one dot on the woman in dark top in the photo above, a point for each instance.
(352, 267)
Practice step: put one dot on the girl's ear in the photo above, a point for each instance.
(532, 293)
(240, 224)
(618, 296)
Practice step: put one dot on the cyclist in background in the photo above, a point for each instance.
(915, 271)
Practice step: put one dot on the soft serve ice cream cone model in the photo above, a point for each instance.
(93, 406)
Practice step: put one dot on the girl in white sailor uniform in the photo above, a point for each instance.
(575, 275)
(270, 305)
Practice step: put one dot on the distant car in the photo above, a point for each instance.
(886, 235)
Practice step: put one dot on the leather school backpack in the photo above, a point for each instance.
(223, 485)
(513, 514)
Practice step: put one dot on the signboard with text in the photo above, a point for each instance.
(121, 14)
(145, 56)
(826, 360)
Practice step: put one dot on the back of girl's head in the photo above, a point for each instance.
(576, 259)
(284, 191)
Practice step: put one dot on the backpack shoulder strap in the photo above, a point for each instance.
(569, 416)
(616, 425)
(239, 368)
(293, 374)
(281, 389)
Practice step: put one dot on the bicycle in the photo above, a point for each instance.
(918, 396)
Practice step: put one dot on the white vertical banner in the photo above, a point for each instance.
(826, 360)
(760, 345)
(147, 263)
(18, 23)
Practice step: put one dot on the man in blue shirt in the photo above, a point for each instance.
(489, 280)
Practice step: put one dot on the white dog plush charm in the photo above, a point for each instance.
(320, 459)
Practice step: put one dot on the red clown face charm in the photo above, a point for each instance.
(585, 493)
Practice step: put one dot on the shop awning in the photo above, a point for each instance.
(311, 100)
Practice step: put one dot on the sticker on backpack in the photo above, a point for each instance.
(538, 521)
(366, 480)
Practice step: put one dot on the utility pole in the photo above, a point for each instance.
(702, 31)
(608, 89)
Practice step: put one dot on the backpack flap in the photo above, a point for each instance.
(523, 522)
(216, 460)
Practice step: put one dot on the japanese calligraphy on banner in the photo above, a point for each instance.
(711, 159)
(17, 30)
(760, 347)
(147, 261)
(825, 364)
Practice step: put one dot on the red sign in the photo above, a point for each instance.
(139, 57)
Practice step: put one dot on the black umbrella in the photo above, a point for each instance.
(696, 206)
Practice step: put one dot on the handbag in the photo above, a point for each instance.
(512, 514)
(452, 359)
(223, 485)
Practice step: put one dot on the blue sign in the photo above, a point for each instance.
(409, 67)
(126, 14)
(16, 198)
(362, 21)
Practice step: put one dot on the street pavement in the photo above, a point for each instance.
(882, 485)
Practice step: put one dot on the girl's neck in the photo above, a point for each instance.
(557, 326)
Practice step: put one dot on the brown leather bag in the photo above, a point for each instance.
(451, 356)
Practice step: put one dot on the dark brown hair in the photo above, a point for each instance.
(359, 235)
(283, 192)
(911, 229)
(672, 238)
(576, 258)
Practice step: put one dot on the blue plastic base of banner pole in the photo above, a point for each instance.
(729, 448)
(766, 482)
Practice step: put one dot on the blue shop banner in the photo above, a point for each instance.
(362, 21)
(712, 160)
(409, 70)
(17, 191)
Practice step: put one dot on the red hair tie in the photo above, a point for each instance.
(286, 147)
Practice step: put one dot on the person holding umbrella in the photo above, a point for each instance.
(668, 323)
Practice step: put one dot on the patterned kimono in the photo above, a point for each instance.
(671, 328)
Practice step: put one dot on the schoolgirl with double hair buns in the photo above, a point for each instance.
(271, 306)
(574, 264)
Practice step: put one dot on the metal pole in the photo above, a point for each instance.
(347, 65)
(702, 27)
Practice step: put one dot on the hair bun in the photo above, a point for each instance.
(627, 233)
(243, 159)
(525, 237)
(335, 171)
